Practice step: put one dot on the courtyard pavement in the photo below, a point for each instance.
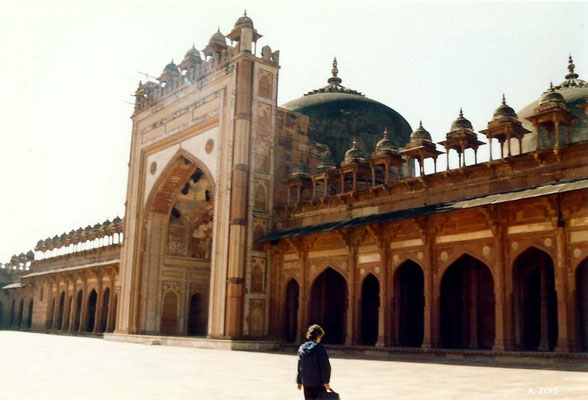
(41, 366)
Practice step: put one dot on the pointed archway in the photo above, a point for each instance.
(328, 305)
(370, 307)
(535, 301)
(467, 305)
(105, 310)
(409, 304)
(196, 318)
(178, 230)
(78, 311)
(582, 305)
(61, 310)
(11, 324)
(291, 311)
(20, 314)
(92, 302)
(29, 321)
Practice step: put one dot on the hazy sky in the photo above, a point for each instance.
(68, 71)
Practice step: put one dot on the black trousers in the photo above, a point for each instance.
(313, 392)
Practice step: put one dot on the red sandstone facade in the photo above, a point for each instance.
(240, 225)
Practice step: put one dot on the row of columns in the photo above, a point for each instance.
(505, 300)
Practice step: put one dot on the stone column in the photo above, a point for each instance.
(73, 311)
(351, 335)
(564, 329)
(431, 324)
(383, 309)
(304, 296)
(502, 294)
(98, 311)
(239, 201)
(110, 311)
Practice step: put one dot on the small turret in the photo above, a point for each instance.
(244, 33)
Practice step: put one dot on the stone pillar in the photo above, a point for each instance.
(73, 311)
(383, 309)
(110, 311)
(502, 294)
(564, 328)
(431, 323)
(304, 296)
(99, 311)
(351, 334)
(239, 201)
(544, 327)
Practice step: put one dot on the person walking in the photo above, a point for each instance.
(314, 369)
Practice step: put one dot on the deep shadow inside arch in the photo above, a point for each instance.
(328, 304)
(535, 301)
(409, 304)
(370, 305)
(467, 305)
(291, 311)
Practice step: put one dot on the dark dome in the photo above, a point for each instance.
(574, 91)
(339, 115)
(326, 162)
(385, 143)
(551, 96)
(171, 67)
(461, 122)
(504, 110)
(192, 53)
(244, 21)
(420, 134)
(218, 38)
(300, 169)
(354, 153)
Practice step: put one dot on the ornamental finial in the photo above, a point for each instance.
(503, 100)
(245, 13)
(335, 72)
(460, 112)
(386, 133)
(571, 67)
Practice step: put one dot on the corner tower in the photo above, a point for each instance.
(198, 191)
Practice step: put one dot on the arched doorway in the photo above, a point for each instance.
(169, 315)
(370, 306)
(20, 314)
(50, 318)
(179, 224)
(196, 321)
(582, 304)
(12, 321)
(105, 304)
(535, 301)
(291, 311)
(467, 305)
(409, 304)
(92, 299)
(328, 305)
(78, 314)
(114, 310)
(60, 311)
(29, 322)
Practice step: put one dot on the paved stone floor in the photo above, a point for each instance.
(40, 366)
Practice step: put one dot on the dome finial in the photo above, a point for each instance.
(551, 88)
(460, 112)
(386, 133)
(571, 67)
(335, 72)
(245, 13)
(420, 123)
(503, 99)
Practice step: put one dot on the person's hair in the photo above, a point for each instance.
(314, 332)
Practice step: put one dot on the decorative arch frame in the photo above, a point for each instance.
(322, 267)
(442, 268)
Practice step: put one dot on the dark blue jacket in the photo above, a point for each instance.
(314, 368)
